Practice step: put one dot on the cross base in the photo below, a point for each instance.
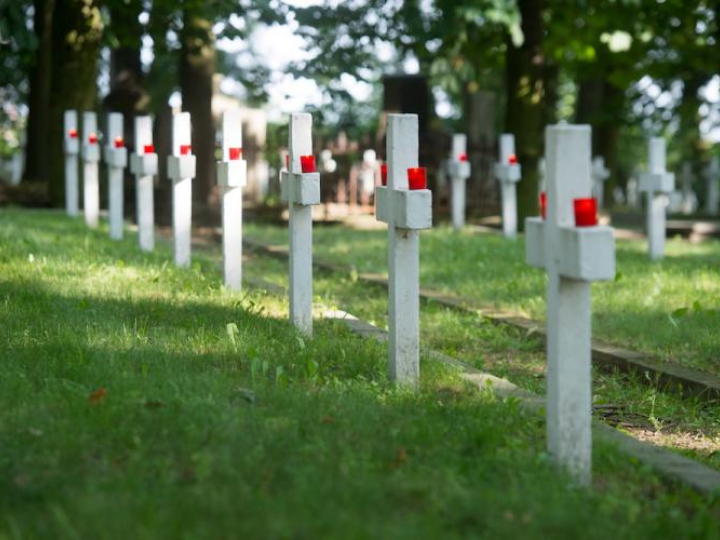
(232, 173)
(71, 147)
(458, 169)
(91, 153)
(507, 172)
(144, 164)
(116, 157)
(181, 167)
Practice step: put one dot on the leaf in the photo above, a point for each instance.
(232, 332)
(301, 342)
(97, 397)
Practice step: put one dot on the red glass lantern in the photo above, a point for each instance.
(585, 212)
(307, 164)
(417, 178)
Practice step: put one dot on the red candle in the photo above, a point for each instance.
(307, 164)
(235, 153)
(543, 204)
(383, 174)
(185, 149)
(92, 138)
(463, 157)
(512, 159)
(72, 133)
(417, 178)
(149, 149)
(119, 143)
(585, 212)
(287, 161)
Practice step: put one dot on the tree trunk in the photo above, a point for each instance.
(525, 113)
(197, 66)
(37, 166)
(76, 46)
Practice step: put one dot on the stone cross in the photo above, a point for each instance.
(688, 203)
(458, 169)
(573, 257)
(508, 173)
(91, 159)
(657, 183)
(301, 190)
(181, 171)
(116, 159)
(712, 176)
(71, 149)
(232, 177)
(600, 173)
(144, 165)
(406, 212)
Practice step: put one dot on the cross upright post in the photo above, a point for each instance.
(181, 171)
(232, 177)
(144, 165)
(71, 148)
(712, 175)
(573, 256)
(508, 173)
(91, 159)
(458, 168)
(600, 174)
(116, 159)
(406, 209)
(300, 187)
(657, 183)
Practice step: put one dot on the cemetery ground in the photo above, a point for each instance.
(139, 399)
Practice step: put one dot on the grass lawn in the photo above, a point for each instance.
(138, 400)
(669, 308)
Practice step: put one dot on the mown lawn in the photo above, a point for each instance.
(138, 401)
(670, 308)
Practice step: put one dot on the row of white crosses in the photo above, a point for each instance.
(181, 166)
(575, 251)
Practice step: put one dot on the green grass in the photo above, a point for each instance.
(138, 400)
(669, 308)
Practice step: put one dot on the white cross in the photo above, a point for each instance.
(657, 183)
(458, 168)
(712, 174)
(181, 171)
(406, 212)
(508, 173)
(600, 174)
(91, 158)
(301, 191)
(232, 177)
(71, 148)
(144, 165)
(116, 159)
(573, 257)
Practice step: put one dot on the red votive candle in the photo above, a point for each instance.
(235, 153)
(463, 157)
(72, 133)
(543, 204)
(383, 174)
(119, 143)
(149, 149)
(287, 161)
(307, 164)
(585, 212)
(92, 138)
(417, 178)
(185, 149)
(512, 159)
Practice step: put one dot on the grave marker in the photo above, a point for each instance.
(712, 176)
(657, 183)
(600, 174)
(508, 173)
(71, 147)
(300, 187)
(181, 171)
(688, 199)
(458, 168)
(232, 177)
(116, 159)
(91, 159)
(144, 165)
(573, 256)
(406, 206)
